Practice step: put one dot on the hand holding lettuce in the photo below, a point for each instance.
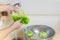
(20, 16)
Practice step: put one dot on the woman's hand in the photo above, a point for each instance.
(5, 31)
(16, 24)
(8, 8)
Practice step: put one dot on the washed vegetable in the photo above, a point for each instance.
(43, 35)
(15, 16)
(20, 16)
(25, 20)
(29, 33)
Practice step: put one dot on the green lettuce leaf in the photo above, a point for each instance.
(20, 15)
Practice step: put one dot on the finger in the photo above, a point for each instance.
(18, 22)
(8, 11)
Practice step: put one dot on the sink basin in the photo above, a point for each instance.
(36, 29)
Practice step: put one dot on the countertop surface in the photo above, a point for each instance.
(57, 36)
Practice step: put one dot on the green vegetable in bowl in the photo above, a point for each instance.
(29, 33)
(43, 35)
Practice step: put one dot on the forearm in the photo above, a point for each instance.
(4, 32)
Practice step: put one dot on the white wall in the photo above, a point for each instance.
(41, 6)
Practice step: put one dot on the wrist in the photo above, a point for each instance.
(13, 28)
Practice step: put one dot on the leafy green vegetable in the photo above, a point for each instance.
(15, 16)
(20, 16)
(29, 33)
(43, 35)
(25, 20)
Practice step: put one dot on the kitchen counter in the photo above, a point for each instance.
(57, 36)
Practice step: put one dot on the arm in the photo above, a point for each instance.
(4, 32)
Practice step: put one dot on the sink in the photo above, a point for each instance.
(36, 29)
